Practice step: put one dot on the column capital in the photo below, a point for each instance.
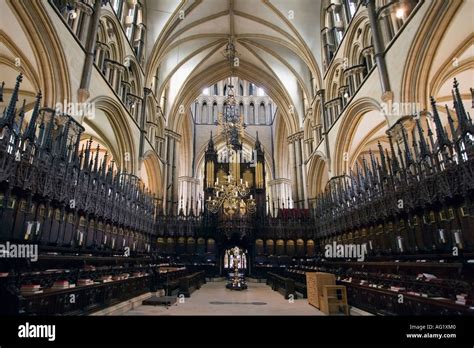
(295, 137)
(279, 181)
(173, 135)
(189, 179)
(387, 97)
(86, 8)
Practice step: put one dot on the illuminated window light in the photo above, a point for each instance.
(260, 92)
(205, 91)
(400, 13)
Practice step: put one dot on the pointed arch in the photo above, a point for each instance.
(117, 119)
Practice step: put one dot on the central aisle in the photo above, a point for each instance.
(214, 299)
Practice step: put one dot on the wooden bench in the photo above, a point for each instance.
(191, 282)
(282, 284)
(169, 281)
(300, 281)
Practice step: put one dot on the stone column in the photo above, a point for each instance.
(268, 110)
(197, 112)
(86, 12)
(246, 111)
(171, 189)
(134, 25)
(120, 70)
(112, 74)
(368, 59)
(98, 54)
(78, 12)
(108, 70)
(280, 190)
(141, 43)
(174, 173)
(378, 46)
(322, 95)
(83, 93)
(188, 191)
(146, 93)
(293, 172)
(220, 88)
(298, 171)
(304, 192)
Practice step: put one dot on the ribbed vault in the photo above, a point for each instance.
(276, 42)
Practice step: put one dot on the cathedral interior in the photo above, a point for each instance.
(318, 153)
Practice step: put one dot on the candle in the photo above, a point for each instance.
(217, 181)
(241, 181)
(251, 196)
(246, 184)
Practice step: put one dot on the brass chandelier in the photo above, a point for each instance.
(232, 197)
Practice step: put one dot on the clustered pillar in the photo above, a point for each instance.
(297, 167)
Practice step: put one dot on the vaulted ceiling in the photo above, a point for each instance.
(277, 41)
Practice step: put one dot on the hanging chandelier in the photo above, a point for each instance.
(230, 53)
(231, 196)
(231, 122)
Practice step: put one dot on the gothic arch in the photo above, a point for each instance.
(134, 76)
(117, 119)
(281, 150)
(357, 37)
(184, 163)
(53, 73)
(113, 34)
(334, 78)
(348, 130)
(317, 175)
(192, 88)
(415, 76)
(447, 71)
(153, 177)
(30, 75)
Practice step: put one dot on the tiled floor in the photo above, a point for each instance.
(214, 299)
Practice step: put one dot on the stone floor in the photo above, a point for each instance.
(214, 299)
